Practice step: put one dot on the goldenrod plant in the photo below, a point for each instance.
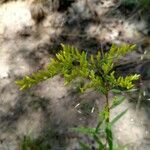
(100, 75)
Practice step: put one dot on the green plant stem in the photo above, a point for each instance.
(107, 120)
(107, 107)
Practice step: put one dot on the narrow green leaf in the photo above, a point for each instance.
(84, 146)
(131, 90)
(117, 101)
(99, 142)
(118, 117)
(23, 87)
(116, 91)
(109, 136)
(85, 130)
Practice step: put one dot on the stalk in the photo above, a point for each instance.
(107, 108)
(108, 131)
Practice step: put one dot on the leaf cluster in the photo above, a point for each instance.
(97, 69)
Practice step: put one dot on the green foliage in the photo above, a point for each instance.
(72, 64)
(98, 70)
(102, 129)
(108, 131)
(30, 144)
(40, 143)
(39, 76)
(143, 4)
(129, 2)
(26, 142)
(84, 146)
(117, 100)
(117, 118)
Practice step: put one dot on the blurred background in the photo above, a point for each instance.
(31, 32)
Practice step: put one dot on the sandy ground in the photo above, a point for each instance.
(25, 48)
